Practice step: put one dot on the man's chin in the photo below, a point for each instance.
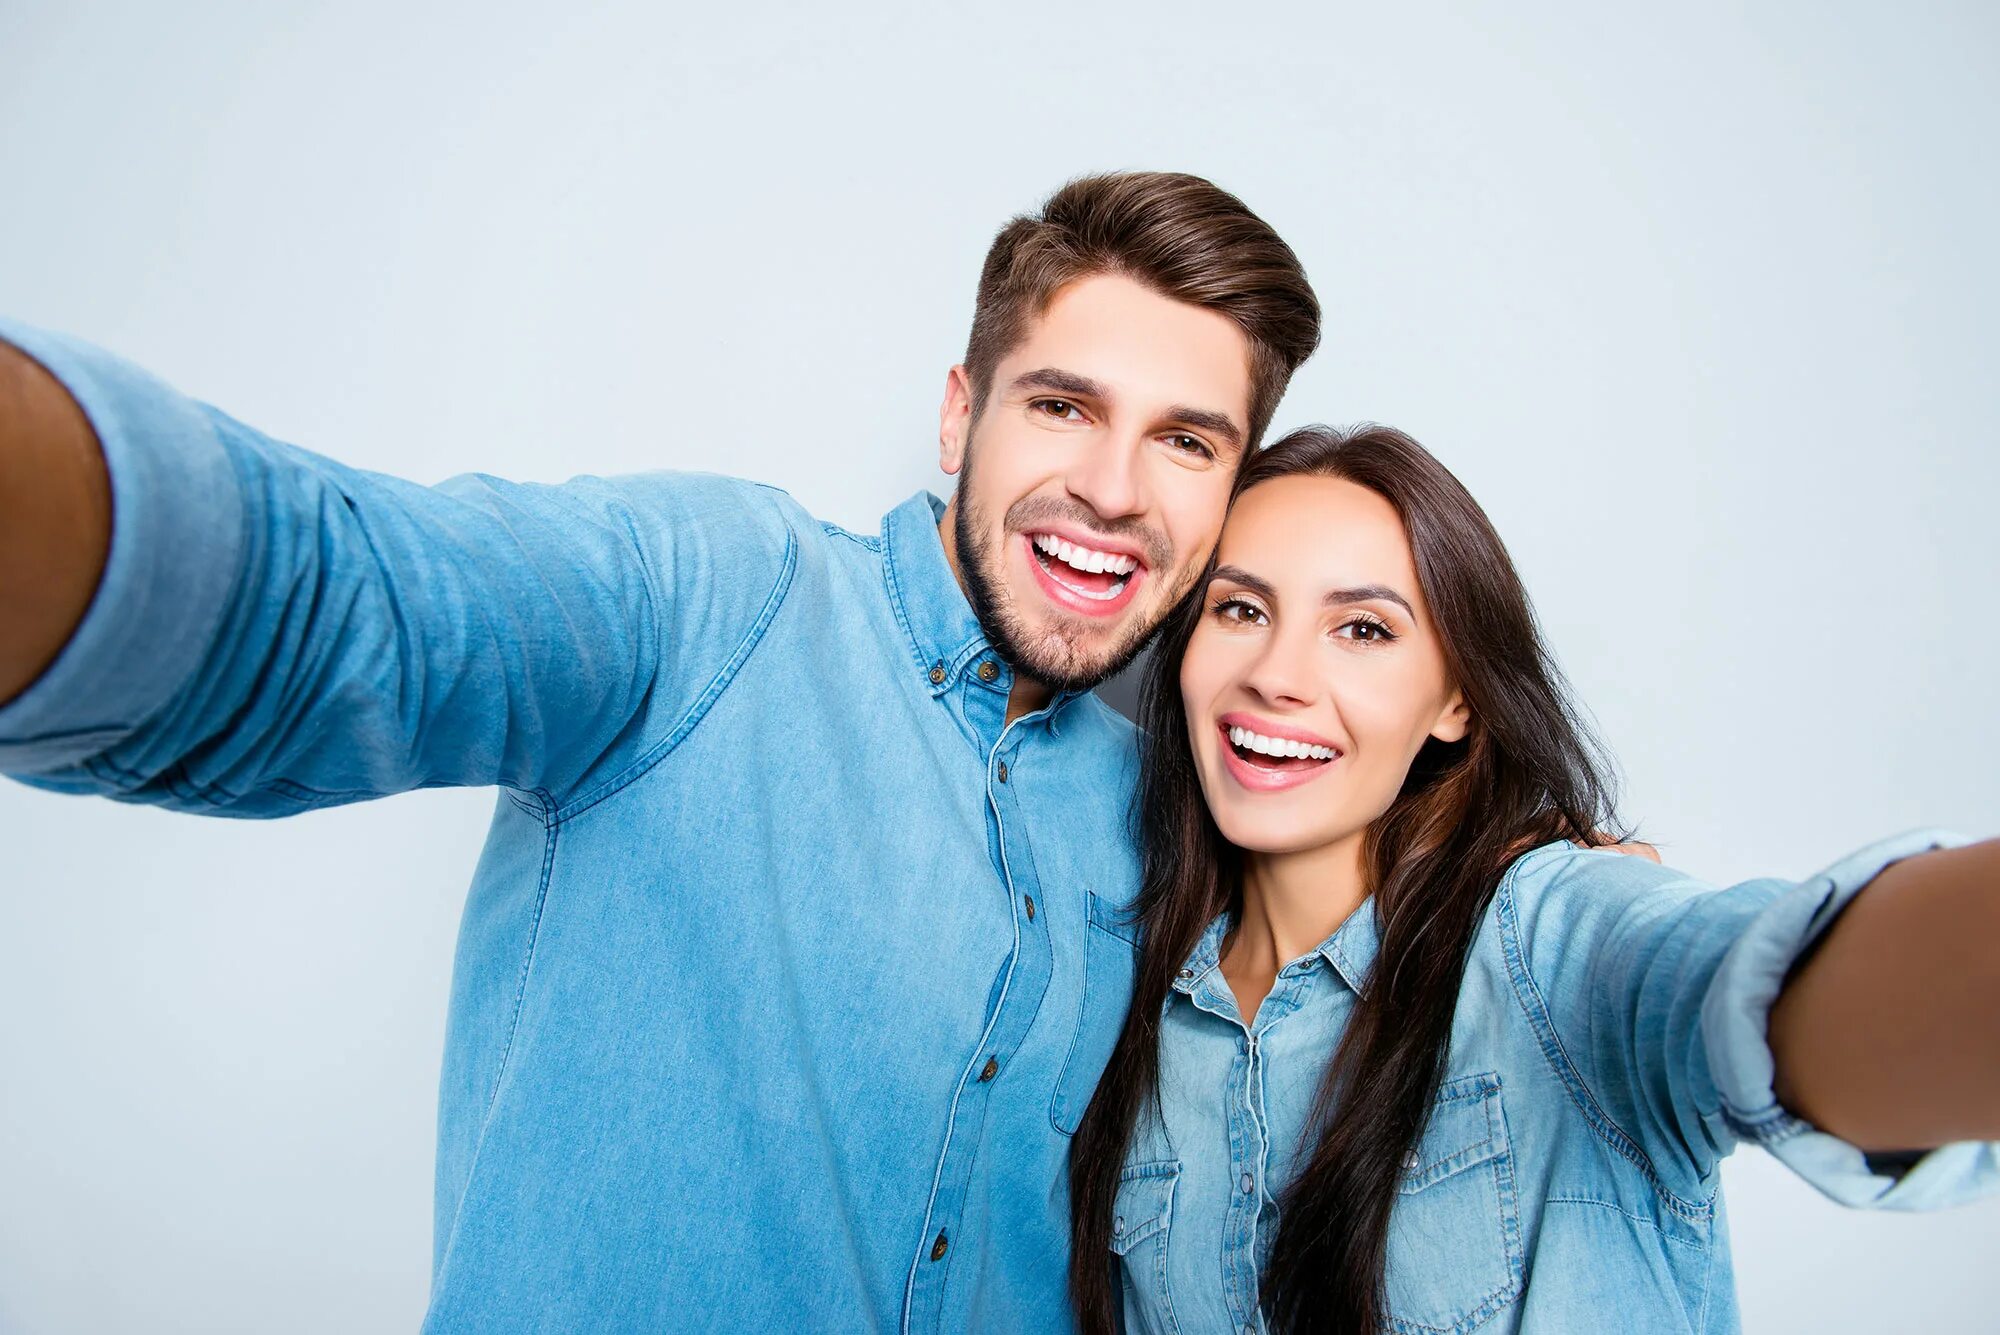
(1064, 661)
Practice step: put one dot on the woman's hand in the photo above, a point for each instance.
(1888, 1035)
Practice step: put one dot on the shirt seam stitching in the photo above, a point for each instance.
(551, 829)
(1528, 996)
(696, 712)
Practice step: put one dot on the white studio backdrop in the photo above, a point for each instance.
(1700, 301)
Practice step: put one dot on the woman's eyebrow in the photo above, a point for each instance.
(1333, 598)
(1238, 575)
(1367, 593)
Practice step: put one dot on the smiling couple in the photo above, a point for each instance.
(838, 962)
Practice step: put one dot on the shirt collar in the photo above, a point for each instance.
(945, 635)
(1350, 951)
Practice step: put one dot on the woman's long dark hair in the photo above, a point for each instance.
(1527, 772)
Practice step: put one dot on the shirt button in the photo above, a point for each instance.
(1249, 1183)
(937, 674)
(991, 1069)
(1411, 1161)
(1003, 771)
(940, 1247)
(1187, 973)
(1118, 1225)
(988, 670)
(1031, 906)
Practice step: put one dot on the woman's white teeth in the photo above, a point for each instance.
(1085, 558)
(1281, 747)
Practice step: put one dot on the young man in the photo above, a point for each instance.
(796, 949)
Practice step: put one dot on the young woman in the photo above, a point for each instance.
(1402, 1053)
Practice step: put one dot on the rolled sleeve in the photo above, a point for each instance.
(1735, 1023)
(177, 534)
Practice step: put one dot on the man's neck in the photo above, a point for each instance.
(1027, 696)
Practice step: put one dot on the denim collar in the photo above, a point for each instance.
(944, 635)
(1349, 951)
(948, 642)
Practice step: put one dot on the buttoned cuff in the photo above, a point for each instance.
(176, 543)
(1735, 1022)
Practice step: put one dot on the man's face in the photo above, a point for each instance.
(1096, 476)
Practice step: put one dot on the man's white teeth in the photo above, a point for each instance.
(1085, 558)
(1280, 747)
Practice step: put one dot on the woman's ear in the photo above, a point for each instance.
(1455, 720)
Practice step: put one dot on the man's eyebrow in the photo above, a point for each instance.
(1062, 382)
(1334, 597)
(1202, 419)
(1059, 381)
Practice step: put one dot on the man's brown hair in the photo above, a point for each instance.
(1182, 236)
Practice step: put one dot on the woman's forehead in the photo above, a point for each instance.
(1305, 530)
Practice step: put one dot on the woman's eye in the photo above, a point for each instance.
(1366, 630)
(1235, 609)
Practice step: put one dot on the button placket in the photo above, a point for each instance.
(1018, 1000)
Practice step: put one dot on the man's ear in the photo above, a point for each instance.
(1454, 722)
(954, 420)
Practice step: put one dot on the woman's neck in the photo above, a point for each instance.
(1291, 903)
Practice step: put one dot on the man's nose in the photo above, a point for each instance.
(1106, 477)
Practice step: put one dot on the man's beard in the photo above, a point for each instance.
(1053, 655)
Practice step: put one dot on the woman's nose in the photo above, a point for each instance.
(1284, 672)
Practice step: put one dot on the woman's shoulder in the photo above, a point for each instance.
(1562, 887)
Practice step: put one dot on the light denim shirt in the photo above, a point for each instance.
(1609, 1049)
(778, 994)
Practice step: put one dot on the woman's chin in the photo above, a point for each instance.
(1275, 833)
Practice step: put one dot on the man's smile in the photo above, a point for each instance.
(1087, 576)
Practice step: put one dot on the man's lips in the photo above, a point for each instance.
(1095, 593)
(1266, 756)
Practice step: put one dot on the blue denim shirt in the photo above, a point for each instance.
(1609, 1049)
(788, 966)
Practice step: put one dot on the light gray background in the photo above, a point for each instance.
(1699, 301)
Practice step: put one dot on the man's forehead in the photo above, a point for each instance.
(1148, 350)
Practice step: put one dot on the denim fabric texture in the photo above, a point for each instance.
(788, 966)
(1608, 1051)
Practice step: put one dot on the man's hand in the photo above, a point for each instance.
(55, 519)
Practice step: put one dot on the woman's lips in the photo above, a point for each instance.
(1264, 778)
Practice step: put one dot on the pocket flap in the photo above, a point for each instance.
(1465, 1129)
(1145, 1203)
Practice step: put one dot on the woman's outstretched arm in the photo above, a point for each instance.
(1888, 1035)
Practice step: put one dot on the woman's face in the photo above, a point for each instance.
(1315, 674)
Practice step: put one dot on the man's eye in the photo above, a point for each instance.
(1194, 445)
(1059, 409)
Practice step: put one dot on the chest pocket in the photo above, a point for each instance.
(1455, 1232)
(1110, 963)
(1139, 1224)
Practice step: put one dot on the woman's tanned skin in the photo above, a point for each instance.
(55, 519)
(1889, 1035)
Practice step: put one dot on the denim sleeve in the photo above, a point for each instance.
(1656, 992)
(275, 631)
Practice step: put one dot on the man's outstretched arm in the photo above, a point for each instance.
(271, 630)
(55, 518)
